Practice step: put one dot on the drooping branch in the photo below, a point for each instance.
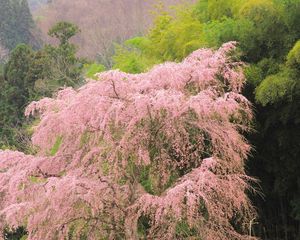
(154, 152)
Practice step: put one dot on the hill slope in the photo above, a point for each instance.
(36, 4)
(101, 22)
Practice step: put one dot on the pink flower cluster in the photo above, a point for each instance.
(177, 127)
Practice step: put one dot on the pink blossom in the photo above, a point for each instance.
(176, 128)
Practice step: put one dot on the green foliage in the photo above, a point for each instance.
(24, 237)
(56, 146)
(282, 85)
(226, 29)
(292, 18)
(63, 31)
(77, 231)
(296, 205)
(105, 166)
(256, 73)
(16, 88)
(260, 26)
(15, 73)
(15, 234)
(92, 69)
(293, 58)
(210, 10)
(133, 56)
(144, 224)
(269, 66)
(277, 144)
(184, 231)
(151, 181)
(141, 43)
(130, 61)
(217, 9)
(29, 75)
(173, 38)
(275, 88)
(253, 74)
(269, 33)
(37, 180)
(84, 139)
(56, 67)
(145, 180)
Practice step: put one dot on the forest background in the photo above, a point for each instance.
(39, 56)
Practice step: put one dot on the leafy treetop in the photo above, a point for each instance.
(63, 31)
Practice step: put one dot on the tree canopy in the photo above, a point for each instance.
(111, 164)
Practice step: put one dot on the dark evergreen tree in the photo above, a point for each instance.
(16, 24)
(29, 75)
(14, 95)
